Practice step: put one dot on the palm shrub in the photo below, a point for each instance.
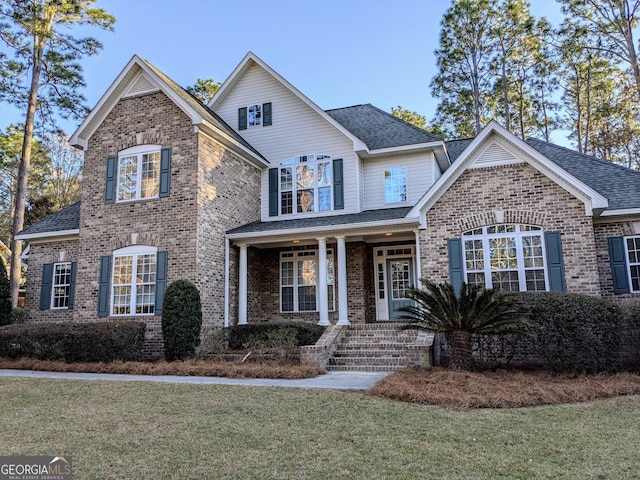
(476, 310)
(5, 296)
(181, 320)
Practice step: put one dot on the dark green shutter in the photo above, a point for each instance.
(273, 192)
(110, 184)
(45, 286)
(72, 284)
(266, 114)
(338, 185)
(618, 260)
(242, 118)
(162, 265)
(104, 286)
(456, 271)
(165, 172)
(555, 264)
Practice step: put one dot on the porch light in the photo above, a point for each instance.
(296, 241)
(388, 234)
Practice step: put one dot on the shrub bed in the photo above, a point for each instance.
(630, 336)
(244, 336)
(74, 342)
(575, 332)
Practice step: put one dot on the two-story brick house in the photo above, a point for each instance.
(279, 210)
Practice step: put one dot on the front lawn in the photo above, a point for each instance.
(141, 430)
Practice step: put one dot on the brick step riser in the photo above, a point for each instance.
(363, 368)
(365, 362)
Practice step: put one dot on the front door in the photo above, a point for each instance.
(400, 279)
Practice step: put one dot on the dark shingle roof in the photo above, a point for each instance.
(620, 185)
(379, 129)
(333, 220)
(66, 219)
(456, 147)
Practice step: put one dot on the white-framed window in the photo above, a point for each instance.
(632, 247)
(133, 285)
(61, 285)
(506, 256)
(138, 173)
(299, 280)
(254, 115)
(395, 185)
(306, 184)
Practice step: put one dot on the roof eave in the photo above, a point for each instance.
(44, 236)
(227, 140)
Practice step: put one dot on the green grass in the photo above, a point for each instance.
(116, 430)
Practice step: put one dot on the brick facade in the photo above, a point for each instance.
(602, 232)
(511, 194)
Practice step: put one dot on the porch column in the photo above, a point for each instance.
(323, 293)
(242, 287)
(343, 309)
(418, 267)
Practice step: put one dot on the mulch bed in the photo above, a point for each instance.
(461, 390)
(202, 368)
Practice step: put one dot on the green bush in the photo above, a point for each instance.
(74, 342)
(181, 320)
(630, 333)
(5, 296)
(243, 336)
(17, 315)
(575, 332)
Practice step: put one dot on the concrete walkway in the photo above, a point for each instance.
(330, 380)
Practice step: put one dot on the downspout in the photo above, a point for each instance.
(418, 265)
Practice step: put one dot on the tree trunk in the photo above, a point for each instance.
(461, 350)
(23, 171)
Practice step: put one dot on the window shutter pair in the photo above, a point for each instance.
(555, 263)
(47, 284)
(112, 174)
(267, 117)
(338, 188)
(618, 261)
(104, 284)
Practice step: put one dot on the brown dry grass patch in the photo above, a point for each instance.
(460, 390)
(195, 368)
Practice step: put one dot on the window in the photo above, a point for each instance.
(632, 246)
(254, 116)
(306, 184)
(133, 286)
(395, 185)
(298, 281)
(508, 256)
(61, 285)
(138, 173)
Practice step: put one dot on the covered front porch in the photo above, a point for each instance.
(275, 274)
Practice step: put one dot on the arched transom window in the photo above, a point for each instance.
(306, 184)
(506, 256)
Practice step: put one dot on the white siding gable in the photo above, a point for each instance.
(493, 155)
(421, 173)
(296, 130)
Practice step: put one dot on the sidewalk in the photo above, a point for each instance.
(330, 380)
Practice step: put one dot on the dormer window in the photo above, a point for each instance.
(254, 116)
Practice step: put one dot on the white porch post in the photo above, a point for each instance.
(323, 294)
(242, 287)
(418, 265)
(343, 311)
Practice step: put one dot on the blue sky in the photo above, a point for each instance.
(337, 52)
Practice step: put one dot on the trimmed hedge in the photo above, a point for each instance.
(575, 332)
(181, 320)
(241, 336)
(5, 296)
(630, 332)
(74, 342)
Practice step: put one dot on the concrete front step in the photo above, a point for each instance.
(362, 368)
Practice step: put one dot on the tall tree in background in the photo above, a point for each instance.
(42, 72)
(464, 80)
(64, 184)
(409, 116)
(10, 150)
(611, 23)
(204, 89)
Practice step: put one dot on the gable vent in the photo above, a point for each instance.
(142, 84)
(495, 155)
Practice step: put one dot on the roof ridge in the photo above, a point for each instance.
(404, 122)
